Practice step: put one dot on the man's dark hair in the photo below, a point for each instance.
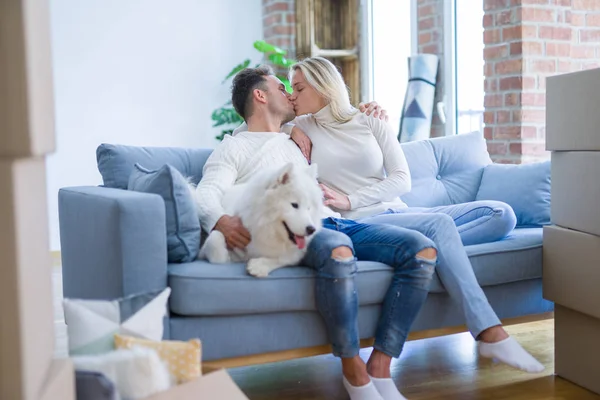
(243, 84)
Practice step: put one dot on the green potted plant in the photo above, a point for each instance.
(226, 116)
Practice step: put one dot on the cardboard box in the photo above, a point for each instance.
(212, 386)
(577, 348)
(576, 190)
(60, 383)
(572, 116)
(571, 269)
(27, 327)
(26, 89)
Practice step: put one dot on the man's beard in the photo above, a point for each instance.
(288, 117)
(286, 114)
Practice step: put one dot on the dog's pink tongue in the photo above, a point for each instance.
(300, 242)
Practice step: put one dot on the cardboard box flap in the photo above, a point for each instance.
(571, 269)
(213, 386)
(576, 190)
(572, 117)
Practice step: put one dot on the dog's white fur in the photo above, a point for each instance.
(266, 204)
(136, 373)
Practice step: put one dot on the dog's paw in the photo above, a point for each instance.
(258, 267)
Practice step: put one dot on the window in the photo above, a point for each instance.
(391, 27)
(468, 55)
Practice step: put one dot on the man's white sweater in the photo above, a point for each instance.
(236, 160)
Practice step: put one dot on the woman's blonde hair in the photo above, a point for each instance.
(325, 78)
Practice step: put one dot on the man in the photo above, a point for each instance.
(261, 99)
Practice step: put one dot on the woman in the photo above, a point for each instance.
(363, 172)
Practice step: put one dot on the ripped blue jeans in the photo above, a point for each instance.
(336, 296)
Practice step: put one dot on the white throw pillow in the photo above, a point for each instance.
(91, 324)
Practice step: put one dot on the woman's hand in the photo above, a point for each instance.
(375, 109)
(335, 199)
(302, 141)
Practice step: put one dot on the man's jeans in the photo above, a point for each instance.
(336, 295)
(477, 221)
(453, 268)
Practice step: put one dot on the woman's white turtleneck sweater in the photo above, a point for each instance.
(361, 158)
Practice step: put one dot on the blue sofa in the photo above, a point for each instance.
(113, 243)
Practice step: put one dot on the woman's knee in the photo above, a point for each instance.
(506, 215)
(503, 219)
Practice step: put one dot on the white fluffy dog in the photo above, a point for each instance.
(282, 210)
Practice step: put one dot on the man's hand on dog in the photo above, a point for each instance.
(335, 199)
(236, 235)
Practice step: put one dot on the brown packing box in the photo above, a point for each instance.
(216, 385)
(26, 90)
(576, 190)
(60, 382)
(577, 348)
(572, 113)
(571, 275)
(27, 344)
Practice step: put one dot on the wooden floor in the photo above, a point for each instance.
(438, 368)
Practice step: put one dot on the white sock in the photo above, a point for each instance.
(364, 392)
(510, 352)
(387, 388)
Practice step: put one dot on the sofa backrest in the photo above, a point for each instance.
(115, 162)
(445, 170)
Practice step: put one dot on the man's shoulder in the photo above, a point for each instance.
(227, 149)
(230, 142)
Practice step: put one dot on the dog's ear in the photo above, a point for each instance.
(312, 170)
(284, 174)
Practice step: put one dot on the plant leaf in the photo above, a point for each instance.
(280, 60)
(265, 47)
(225, 116)
(224, 132)
(286, 82)
(237, 69)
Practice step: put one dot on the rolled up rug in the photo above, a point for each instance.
(417, 111)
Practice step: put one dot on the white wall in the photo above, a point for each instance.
(140, 72)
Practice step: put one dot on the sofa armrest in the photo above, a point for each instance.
(113, 242)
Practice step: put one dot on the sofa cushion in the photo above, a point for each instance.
(201, 288)
(115, 162)
(445, 170)
(525, 187)
(183, 226)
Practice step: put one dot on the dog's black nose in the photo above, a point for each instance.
(310, 230)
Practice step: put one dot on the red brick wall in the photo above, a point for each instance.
(525, 42)
(279, 24)
(430, 27)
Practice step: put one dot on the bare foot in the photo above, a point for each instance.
(355, 371)
(378, 365)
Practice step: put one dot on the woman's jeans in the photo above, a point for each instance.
(336, 295)
(453, 268)
(477, 222)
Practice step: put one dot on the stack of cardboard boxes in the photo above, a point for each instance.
(572, 245)
(28, 370)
